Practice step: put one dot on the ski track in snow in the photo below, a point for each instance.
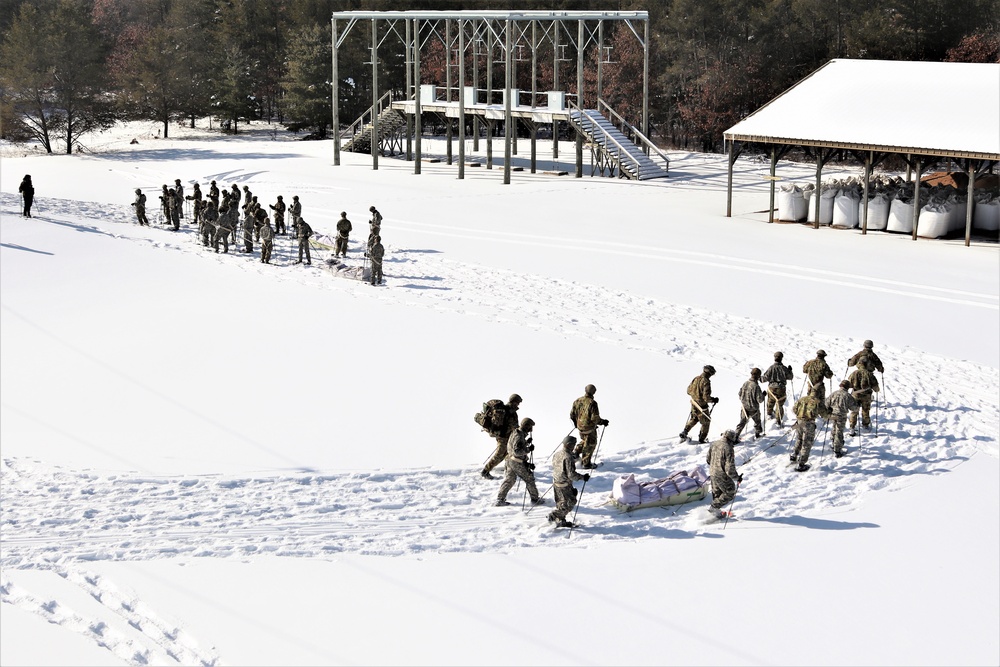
(939, 413)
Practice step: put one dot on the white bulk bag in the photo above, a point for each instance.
(900, 217)
(825, 206)
(845, 211)
(935, 220)
(790, 203)
(878, 211)
(986, 215)
(959, 210)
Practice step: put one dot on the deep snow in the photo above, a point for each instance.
(209, 460)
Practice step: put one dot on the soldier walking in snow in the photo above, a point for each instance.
(279, 215)
(872, 361)
(864, 383)
(586, 416)
(266, 241)
(503, 435)
(817, 371)
(700, 391)
(776, 376)
(517, 464)
(343, 232)
(563, 475)
(807, 408)
(721, 461)
(27, 190)
(376, 253)
(751, 396)
(305, 231)
(840, 403)
(140, 207)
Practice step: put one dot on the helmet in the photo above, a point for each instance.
(138, 191)
(343, 214)
(371, 208)
(590, 390)
(821, 354)
(514, 398)
(279, 196)
(568, 441)
(845, 385)
(710, 370)
(527, 423)
(295, 197)
(755, 373)
(869, 345)
(731, 435)
(778, 356)
(213, 182)
(177, 180)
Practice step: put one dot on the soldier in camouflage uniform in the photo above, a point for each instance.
(140, 207)
(248, 227)
(234, 196)
(375, 254)
(840, 403)
(173, 207)
(343, 233)
(517, 464)
(807, 408)
(213, 193)
(295, 210)
(179, 189)
(776, 376)
(305, 231)
(700, 391)
(721, 461)
(224, 227)
(751, 396)
(279, 215)
(873, 362)
(864, 383)
(563, 475)
(586, 416)
(817, 371)
(165, 204)
(510, 424)
(266, 241)
(209, 220)
(195, 199)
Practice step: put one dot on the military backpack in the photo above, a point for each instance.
(493, 418)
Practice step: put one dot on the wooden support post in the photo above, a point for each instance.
(335, 102)
(864, 206)
(417, 111)
(916, 198)
(374, 94)
(774, 164)
(461, 99)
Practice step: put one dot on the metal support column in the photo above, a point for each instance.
(418, 126)
(507, 124)
(335, 86)
(645, 81)
(489, 92)
(579, 95)
(374, 93)
(729, 180)
(475, 83)
(461, 98)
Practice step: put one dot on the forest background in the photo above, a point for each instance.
(70, 67)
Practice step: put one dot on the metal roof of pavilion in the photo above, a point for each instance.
(928, 108)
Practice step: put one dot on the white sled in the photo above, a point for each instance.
(339, 267)
(676, 489)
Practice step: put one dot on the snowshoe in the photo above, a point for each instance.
(565, 524)
(683, 436)
(501, 503)
(802, 467)
(538, 501)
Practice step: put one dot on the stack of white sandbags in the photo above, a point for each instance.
(793, 202)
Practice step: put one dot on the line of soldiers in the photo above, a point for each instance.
(515, 449)
(218, 218)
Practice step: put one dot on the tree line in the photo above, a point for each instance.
(68, 67)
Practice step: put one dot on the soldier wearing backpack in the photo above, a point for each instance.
(700, 391)
(807, 408)
(499, 421)
(586, 416)
(517, 465)
(817, 370)
(776, 376)
(840, 403)
(864, 383)
(751, 396)
(872, 362)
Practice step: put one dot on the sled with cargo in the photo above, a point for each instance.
(683, 486)
(339, 266)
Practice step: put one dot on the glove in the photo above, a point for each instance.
(739, 478)
(714, 400)
(531, 448)
(604, 422)
(531, 466)
(586, 476)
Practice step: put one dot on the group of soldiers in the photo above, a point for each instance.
(515, 449)
(852, 398)
(225, 213)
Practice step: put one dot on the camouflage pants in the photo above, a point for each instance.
(747, 416)
(699, 416)
(376, 273)
(304, 249)
(565, 501)
(515, 469)
(248, 239)
(585, 448)
(864, 400)
(221, 235)
(805, 435)
(776, 403)
(340, 246)
(499, 454)
(723, 490)
(837, 423)
(818, 390)
(265, 251)
(175, 219)
(140, 214)
(279, 223)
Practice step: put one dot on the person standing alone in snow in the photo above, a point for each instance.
(27, 190)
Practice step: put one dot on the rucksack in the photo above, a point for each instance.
(493, 417)
(805, 408)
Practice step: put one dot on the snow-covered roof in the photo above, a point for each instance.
(931, 108)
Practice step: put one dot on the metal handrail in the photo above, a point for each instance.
(367, 118)
(642, 137)
(608, 138)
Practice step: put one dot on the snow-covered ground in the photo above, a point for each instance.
(208, 460)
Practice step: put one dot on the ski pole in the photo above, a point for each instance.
(531, 461)
(728, 513)
(577, 509)
(495, 450)
(764, 449)
(599, 440)
(822, 452)
(876, 414)
(551, 486)
(560, 444)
